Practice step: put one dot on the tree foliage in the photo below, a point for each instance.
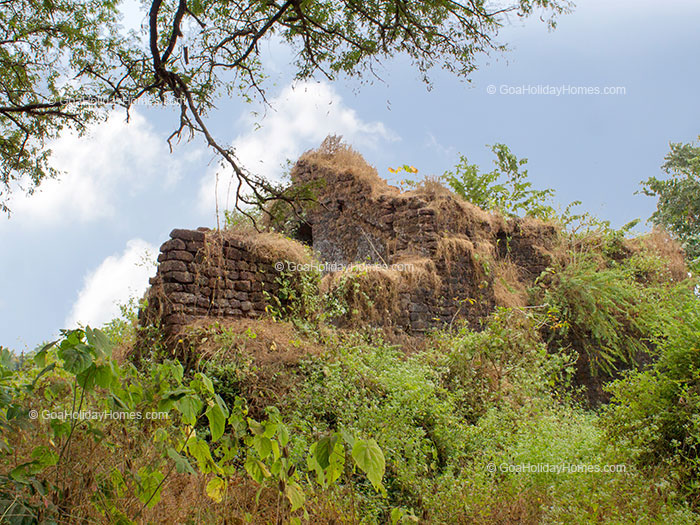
(65, 63)
(678, 207)
(505, 189)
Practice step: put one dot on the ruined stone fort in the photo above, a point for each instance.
(413, 260)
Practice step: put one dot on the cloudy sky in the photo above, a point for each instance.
(82, 245)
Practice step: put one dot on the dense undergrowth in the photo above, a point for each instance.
(290, 419)
(470, 426)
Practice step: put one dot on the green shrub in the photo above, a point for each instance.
(371, 388)
(655, 415)
(599, 310)
(506, 362)
(505, 189)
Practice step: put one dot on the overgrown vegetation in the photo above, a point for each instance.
(291, 419)
(506, 188)
(678, 207)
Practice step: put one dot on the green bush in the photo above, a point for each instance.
(369, 387)
(655, 415)
(505, 189)
(600, 310)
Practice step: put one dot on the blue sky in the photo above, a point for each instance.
(83, 244)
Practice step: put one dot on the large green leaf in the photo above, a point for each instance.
(40, 356)
(189, 406)
(99, 341)
(182, 465)
(217, 422)
(324, 449)
(257, 469)
(76, 358)
(370, 459)
(215, 489)
(200, 451)
(262, 445)
(295, 495)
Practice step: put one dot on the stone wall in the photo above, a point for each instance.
(453, 247)
(360, 218)
(202, 273)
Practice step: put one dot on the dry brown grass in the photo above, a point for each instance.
(337, 156)
(403, 275)
(267, 341)
(454, 248)
(509, 287)
(418, 271)
(456, 215)
(373, 292)
(444, 201)
(430, 189)
(269, 246)
(88, 464)
(660, 243)
(265, 352)
(185, 501)
(532, 227)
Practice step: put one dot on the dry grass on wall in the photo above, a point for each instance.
(338, 157)
(509, 288)
(660, 243)
(268, 246)
(373, 292)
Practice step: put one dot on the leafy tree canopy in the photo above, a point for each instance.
(506, 188)
(678, 207)
(65, 63)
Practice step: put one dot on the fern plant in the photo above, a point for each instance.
(601, 311)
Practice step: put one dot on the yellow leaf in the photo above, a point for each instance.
(215, 489)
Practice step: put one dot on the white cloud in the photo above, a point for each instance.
(115, 159)
(117, 279)
(301, 116)
(432, 143)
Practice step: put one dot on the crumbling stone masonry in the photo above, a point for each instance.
(360, 218)
(201, 273)
(460, 261)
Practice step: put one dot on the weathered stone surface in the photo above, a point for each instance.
(194, 246)
(173, 287)
(173, 266)
(180, 255)
(172, 244)
(183, 297)
(187, 235)
(180, 277)
(243, 286)
(177, 319)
